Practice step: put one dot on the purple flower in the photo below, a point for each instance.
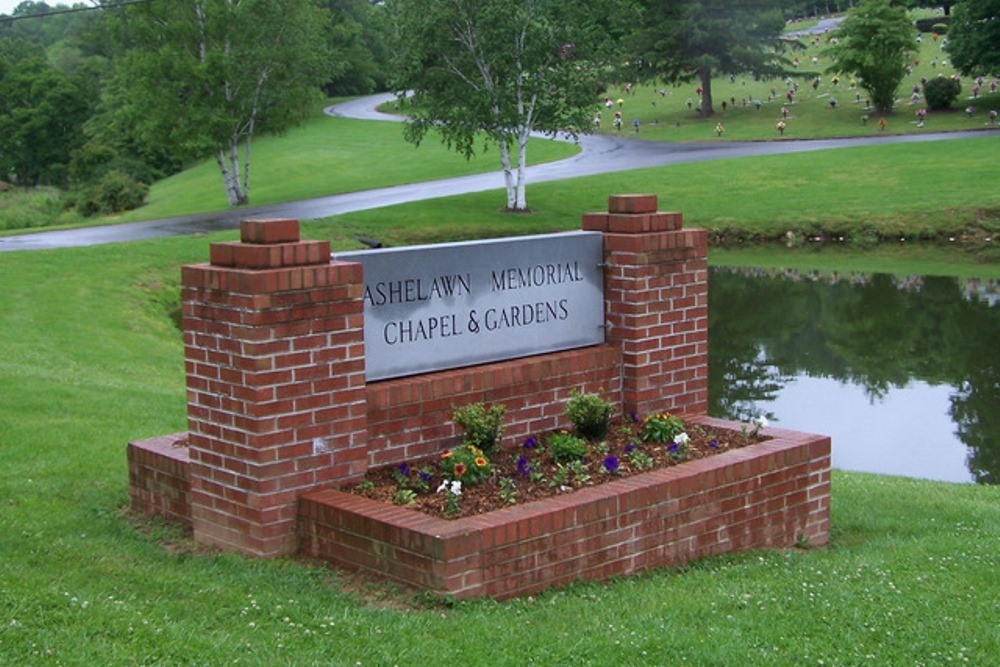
(634, 417)
(673, 448)
(531, 443)
(404, 470)
(714, 444)
(426, 476)
(610, 463)
(629, 448)
(522, 465)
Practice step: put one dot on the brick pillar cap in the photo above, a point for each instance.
(269, 230)
(632, 204)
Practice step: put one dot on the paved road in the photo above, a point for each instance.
(600, 154)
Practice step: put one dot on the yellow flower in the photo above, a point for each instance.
(481, 462)
(446, 454)
(459, 469)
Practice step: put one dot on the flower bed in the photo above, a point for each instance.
(773, 494)
(539, 467)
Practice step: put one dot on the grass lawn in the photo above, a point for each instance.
(328, 156)
(860, 193)
(92, 359)
(663, 113)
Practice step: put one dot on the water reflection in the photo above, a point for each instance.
(904, 374)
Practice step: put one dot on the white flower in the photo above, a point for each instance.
(681, 438)
(760, 421)
(454, 488)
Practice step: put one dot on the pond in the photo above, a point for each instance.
(903, 374)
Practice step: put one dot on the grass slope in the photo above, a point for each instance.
(92, 360)
(327, 156)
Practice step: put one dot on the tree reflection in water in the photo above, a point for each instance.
(874, 332)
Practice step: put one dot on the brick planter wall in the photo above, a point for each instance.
(772, 495)
(159, 477)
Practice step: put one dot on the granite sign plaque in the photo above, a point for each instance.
(435, 307)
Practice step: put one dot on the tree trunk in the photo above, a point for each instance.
(706, 91)
(508, 175)
(522, 157)
(229, 167)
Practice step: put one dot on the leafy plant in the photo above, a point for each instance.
(404, 497)
(483, 427)
(590, 414)
(508, 491)
(564, 447)
(661, 427)
(638, 458)
(466, 463)
(941, 92)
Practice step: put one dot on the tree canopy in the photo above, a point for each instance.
(202, 76)
(694, 40)
(498, 70)
(42, 112)
(874, 42)
(974, 37)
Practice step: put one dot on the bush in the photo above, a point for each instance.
(590, 414)
(940, 28)
(662, 427)
(941, 91)
(483, 428)
(114, 193)
(565, 447)
(931, 24)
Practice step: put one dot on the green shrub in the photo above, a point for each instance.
(940, 28)
(483, 427)
(115, 192)
(565, 447)
(590, 414)
(931, 23)
(661, 427)
(941, 91)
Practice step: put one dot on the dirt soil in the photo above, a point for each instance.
(531, 474)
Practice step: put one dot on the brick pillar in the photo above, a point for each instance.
(274, 354)
(656, 301)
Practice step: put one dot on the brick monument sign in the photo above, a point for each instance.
(301, 376)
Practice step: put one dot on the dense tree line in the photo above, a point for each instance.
(130, 94)
(106, 101)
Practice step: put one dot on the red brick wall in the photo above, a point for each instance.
(275, 376)
(412, 417)
(159, 478)
(656, 291)
(772, 495)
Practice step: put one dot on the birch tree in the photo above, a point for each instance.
(494, 71)
(202, 77)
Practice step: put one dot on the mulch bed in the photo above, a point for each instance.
(533, 475)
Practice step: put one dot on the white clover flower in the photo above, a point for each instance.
(681, 439)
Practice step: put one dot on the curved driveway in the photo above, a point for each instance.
(600, 154)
